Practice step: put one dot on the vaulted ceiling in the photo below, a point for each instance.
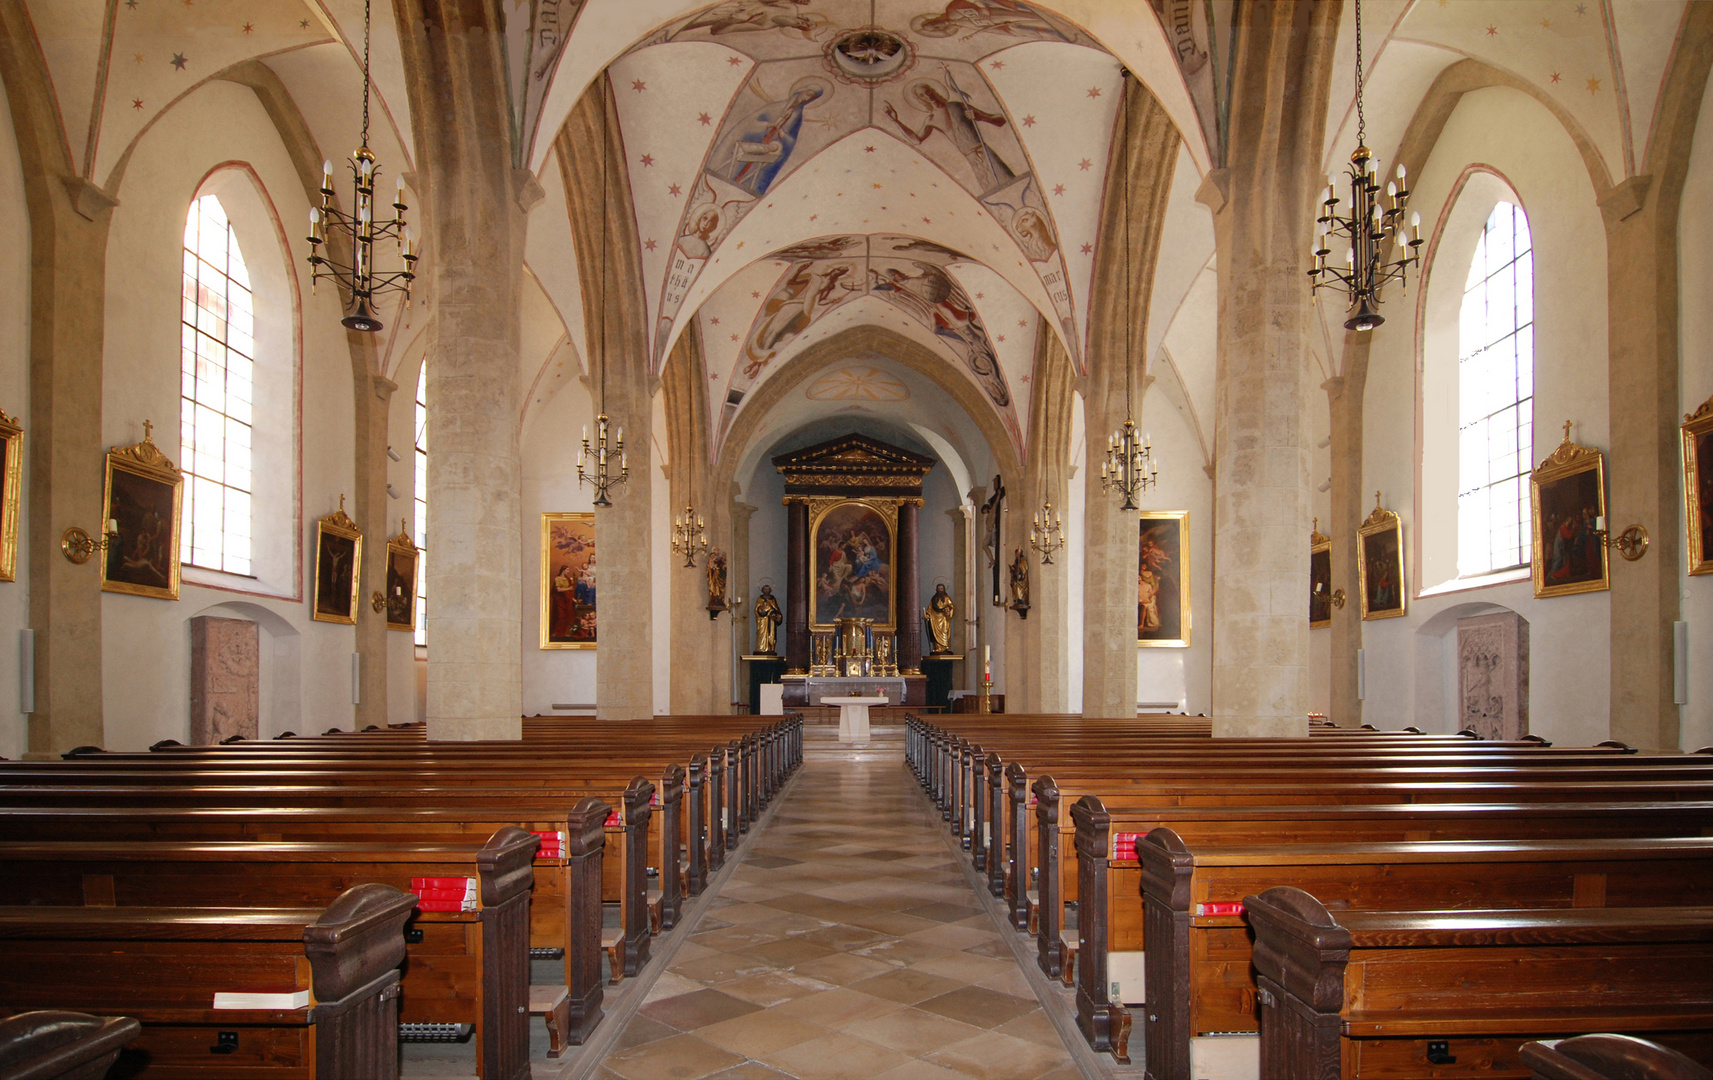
(800, 167)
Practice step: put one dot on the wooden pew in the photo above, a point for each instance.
(1198, 963)
(1609, 1057)
(164, 966)
(58, 1045)
(465, 967)
(1364, 994)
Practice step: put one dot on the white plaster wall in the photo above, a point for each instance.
(1076, 560)
(1408, 660)
(15, 400)
(1695, 382)
(550, 439)
(660, 525)
(1184, 676)
(145, 642)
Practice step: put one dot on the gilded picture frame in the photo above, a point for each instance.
(338, 568)
(1697, 487)
(1567, 496)
(1163, 579)
(859, 582)
(400, 600)
(11, 476)
(1380, 564)
(1320, 578)
(143, 493)
(569, 613)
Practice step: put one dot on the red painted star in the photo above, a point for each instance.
(997, 65)
(179, 60)
(1024, 379)
(1088, 249)
(715, 377)
(1002, 337)
(137, 103)
(734, 337)
(1029, 121)
(1094, 91)
(675, 191)
(868, 149)
(1024, 323)
(1556, 76)
(704, 119)
(638, 85)
(648, 245)
(981, 296)
(1058, 189)
(1593, 85)
(814, 217)
(249, 28)
(647, 161)
(927, 221)
(715, 320)
(1492, 31)
(754, 296)
(734, 61)
(1085, 164)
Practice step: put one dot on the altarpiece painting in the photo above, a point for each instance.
(568, 581)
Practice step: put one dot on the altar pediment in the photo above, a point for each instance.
(850, 464)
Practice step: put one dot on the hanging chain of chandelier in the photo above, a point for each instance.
(359, 230)
(1373, 227)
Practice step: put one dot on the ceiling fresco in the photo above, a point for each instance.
(813, 72)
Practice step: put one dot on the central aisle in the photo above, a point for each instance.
(847, 944)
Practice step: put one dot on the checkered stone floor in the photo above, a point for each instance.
(846, 946)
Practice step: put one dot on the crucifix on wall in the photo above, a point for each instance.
(994, 509)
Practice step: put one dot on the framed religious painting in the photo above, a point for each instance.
(1380, 563)
(142, 501)
(851, 552)
(1568, 495)
(1697, 488)
(400, 599)
(1320, 578)
(568, 581)
(11, 475)
(1163, 579)
(338, 568)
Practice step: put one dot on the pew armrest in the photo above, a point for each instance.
(62, 1045)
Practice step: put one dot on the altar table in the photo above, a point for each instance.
(853, 716)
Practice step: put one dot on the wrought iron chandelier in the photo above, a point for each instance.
(1046, 533)
(1374, 224)
(360, 229)
(603, 480)
(1129, 466)
(689, 536)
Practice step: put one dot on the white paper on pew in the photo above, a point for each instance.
(258, 999)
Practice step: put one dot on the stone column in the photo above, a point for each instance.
(603, 225)
(1138, 183)
(743, 618)
(797, 585)
(962, 526)
(372, 508)
(1345, 397)
(69, 218)
(1263, 215)
(909, 591)
(474, 207)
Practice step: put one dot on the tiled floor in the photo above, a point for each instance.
(846, 945)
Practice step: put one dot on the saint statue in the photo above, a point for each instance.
(1020, 581)
(716, 582)
(767, 620)
(939, 614)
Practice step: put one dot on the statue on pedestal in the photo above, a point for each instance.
(939, 613)
(1020, 584)
(767, 620)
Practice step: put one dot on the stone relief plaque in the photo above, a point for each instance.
(225, 679)
(1493, 675)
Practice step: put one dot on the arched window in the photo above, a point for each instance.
(1496, 389)
(217, 362)
(422, 504)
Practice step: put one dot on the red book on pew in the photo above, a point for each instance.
(1124, 846)
(1220, 907)
(444, 894)
(446, 905)
(417, 883)
(613, 821)
(552, 844)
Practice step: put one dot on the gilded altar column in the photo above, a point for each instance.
(797, 585)
(909, 592)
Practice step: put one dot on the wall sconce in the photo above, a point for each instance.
(1337, 597)
(79, 547)
(1632, 543)
(378, 602)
